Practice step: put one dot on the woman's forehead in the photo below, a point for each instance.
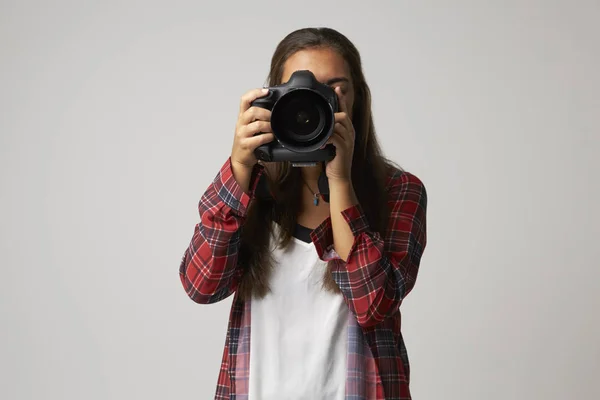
(325, 64)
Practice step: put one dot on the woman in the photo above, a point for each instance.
(317, 281)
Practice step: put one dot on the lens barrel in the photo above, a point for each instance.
(302, 120)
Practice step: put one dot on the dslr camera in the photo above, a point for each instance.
(302, 120)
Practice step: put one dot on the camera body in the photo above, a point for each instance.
(302, 120)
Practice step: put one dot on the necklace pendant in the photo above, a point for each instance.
(316, 200)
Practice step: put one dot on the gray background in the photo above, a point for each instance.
(115, 117)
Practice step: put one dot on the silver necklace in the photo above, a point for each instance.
(315, 195)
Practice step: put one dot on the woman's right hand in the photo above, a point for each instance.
(253, 129)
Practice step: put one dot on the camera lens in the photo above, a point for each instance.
(301, 118)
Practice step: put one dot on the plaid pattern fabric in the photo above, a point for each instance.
(379, 273)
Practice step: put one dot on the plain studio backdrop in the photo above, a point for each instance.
(116, 116)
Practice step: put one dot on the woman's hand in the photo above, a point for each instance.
(340, 168)
(253, 129)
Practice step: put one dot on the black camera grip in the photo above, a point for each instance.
(264, 102)
(279, 153)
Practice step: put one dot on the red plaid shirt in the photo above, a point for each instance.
(379, 273)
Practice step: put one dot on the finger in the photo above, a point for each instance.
(255, 114)
(343, 115)
(343, 131)
(250, 96)
(326, 143)
(339, 143)
(336, 139)
(340, 138)
(344, 119)
(258, 140)
(341, 100)
(329, 141)
(254, 128)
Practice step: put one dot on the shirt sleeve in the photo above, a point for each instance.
(209, 271)
(380, 270)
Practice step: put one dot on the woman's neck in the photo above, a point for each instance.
(311, 174)
(311, 214)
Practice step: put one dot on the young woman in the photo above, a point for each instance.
(317, 281)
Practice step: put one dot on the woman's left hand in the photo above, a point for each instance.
(340, 168)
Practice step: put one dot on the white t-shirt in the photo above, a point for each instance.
(298, 337)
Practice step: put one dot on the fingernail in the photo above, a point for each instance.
(265, 90)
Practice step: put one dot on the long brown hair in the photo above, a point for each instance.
(369, 170)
